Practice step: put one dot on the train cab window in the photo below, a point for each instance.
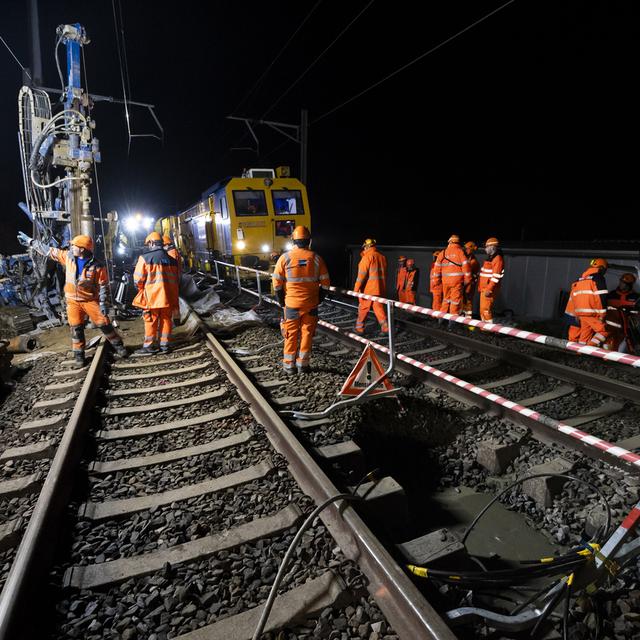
(285, 228)
(250, 203)
(287, 202)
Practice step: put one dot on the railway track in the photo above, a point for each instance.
(174, 521)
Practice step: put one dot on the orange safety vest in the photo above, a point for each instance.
(617, 302)
(452, 266)
(474, 265)
(91, 285)
(372, 273)
(156, 276)
(175, 254)
(491, 273)
(400, 278)
(587, 296)
(411, 280)
(435, 277)
(301, 273)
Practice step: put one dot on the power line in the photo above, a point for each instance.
(304, 73)
(286, 44)
(412, 62)
(4, 42)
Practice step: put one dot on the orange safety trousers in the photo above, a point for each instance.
(574, 333)
(378, 309)
(409, 297)
(436, 304)
(157, 323)
(467, 305)
(298, 329)
(486, 306)
(77, 313)
(593, 331)
(452, 298)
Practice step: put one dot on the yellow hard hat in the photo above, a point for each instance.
(470, 246)
(454, 239)
(491, 242)
(601, 263)
(154, 236)
(402, 258)
(84, 242)
(301, 233)
(369, 242)
(166, 240)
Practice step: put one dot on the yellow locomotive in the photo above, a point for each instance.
(241, 220)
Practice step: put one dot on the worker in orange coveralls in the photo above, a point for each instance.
(410, 282)
(452, 268)
(588, 303)
(172, 251)
(470, 289)
(156, 277)
(622, 305)
(301, 281)
(491, 275)
(401, 274)
(86, 290)
(435, 283)
(371, 279)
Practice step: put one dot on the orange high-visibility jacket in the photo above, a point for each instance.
(401, 275)
(435, 275)
(156, 276)
(91, 285)
(411, 280)
(172, 252)
(372, 273)
(491, 273)
(452, 266)
(301, 273)
(588, 295)
(474, 265)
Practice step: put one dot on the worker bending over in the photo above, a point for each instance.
(156, 277)
(452, 269)
(622, 315)
(371, 279)
(86, 291)
(435, 283)
(401, 274)
(588, 303)
(470, 290)
(410, 285)
(490, 280)
(301, 281)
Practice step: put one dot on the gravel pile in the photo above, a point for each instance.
(160, 379)
(618, 426)
(169, 394)
(535, 386)
(575, 404)
(13, 469)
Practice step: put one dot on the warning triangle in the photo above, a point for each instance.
(367, 370)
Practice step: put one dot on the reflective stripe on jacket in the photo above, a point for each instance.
(435, 276)
(452, 266)
(91, 285)
(372, 273)
(301, 273)
(587, 297)
(156, 276)
(491, 273)
(411, 280)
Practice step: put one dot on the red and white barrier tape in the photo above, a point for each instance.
(576, 347)
(586, 439)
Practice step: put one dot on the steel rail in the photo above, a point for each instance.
(405, 607)
(22, 590)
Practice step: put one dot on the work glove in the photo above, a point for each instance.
(24, 239)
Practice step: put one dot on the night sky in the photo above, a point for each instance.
(524, 127)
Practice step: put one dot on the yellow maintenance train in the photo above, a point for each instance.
(240, 220)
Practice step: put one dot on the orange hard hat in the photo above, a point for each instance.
(601, 263)
(301, 233)
(629, 278)
(84, 242)
(369, 242)
(470, 246)
(455, 239)
(154, 236)
(491, 242)
(402, 258)
(436, 253)
(410, 262)
(166, 240)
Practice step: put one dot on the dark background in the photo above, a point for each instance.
(524, 127)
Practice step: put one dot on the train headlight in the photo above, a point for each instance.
(288, 246)
(265, 248)
(241, 244)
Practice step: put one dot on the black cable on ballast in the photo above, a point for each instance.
(531, 477)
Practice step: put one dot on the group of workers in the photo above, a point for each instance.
(86, 290)
(602, 318)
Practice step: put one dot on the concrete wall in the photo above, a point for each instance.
(534, 278)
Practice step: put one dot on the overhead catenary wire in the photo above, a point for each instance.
(124, 88)
(24, 69)
(317, 59)
(412, 62)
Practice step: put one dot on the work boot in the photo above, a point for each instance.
(165, 348)
(146, 351)
(121, 350)
(304, 368)
(78, 359)
(290, 371)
